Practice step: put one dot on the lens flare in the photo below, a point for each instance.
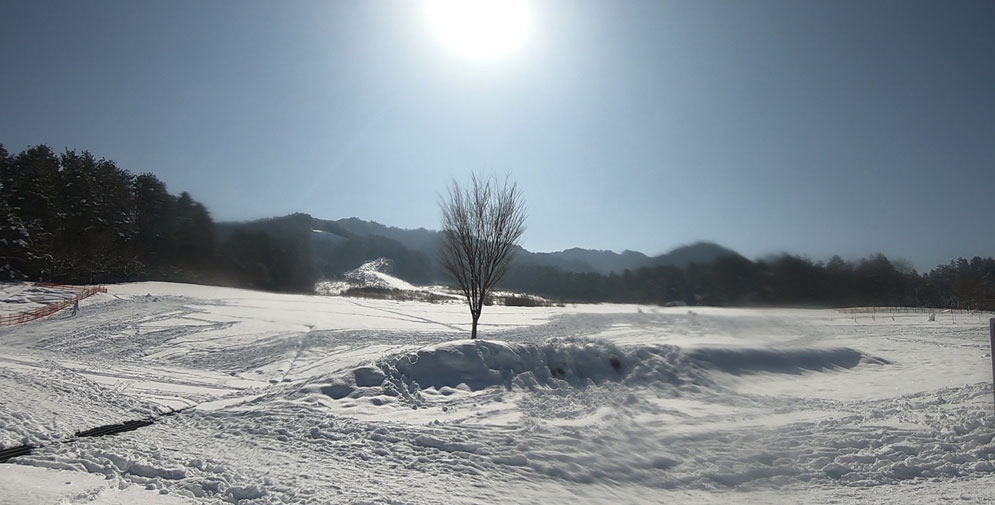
(480, 29)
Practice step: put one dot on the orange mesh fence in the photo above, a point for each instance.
(47, 310)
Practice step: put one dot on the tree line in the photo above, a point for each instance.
(784, 280)
(77, 219)
(74, 218)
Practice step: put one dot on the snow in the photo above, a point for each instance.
(371, 274)
(17, 297)
(24, 484)
(318, 399)
(376, 273)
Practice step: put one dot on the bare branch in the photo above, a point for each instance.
(481, 225)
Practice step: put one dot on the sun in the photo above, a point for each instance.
(480, 29)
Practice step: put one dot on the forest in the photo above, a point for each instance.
(784, 281)
(74, 218)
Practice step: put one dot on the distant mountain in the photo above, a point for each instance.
(337, 246)
(698, 252)
(570, 260)
(420, 239)
(292, 252)
(605, 262)
(586, 260)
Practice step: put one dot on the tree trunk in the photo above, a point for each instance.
(473, 334)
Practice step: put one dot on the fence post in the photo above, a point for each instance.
(991, 333)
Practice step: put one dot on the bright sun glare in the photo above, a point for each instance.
(480, 29)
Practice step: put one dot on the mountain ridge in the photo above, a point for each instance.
(383, 240)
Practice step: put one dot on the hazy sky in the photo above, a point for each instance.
(809, 127)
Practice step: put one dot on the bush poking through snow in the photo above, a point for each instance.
(404, 295)
(525, 301)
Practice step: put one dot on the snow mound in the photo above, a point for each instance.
(372, 274)
(560, 362)
(377, 274)
(479, 364)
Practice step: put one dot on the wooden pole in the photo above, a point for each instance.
(991, 332)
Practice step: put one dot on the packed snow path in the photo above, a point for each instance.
(303, 399)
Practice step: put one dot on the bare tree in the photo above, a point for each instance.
(481, 227)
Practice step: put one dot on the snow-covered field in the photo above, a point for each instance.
(16, 298)
(311, 399)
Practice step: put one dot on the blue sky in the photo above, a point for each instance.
(815, 128)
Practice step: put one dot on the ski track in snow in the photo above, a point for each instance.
(328, 400)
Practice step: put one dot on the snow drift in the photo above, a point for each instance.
(572, 362)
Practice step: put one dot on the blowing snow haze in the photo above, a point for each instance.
(814, 128)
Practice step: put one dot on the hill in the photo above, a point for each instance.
(575, 259)
(698, 252)
(328, 249)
